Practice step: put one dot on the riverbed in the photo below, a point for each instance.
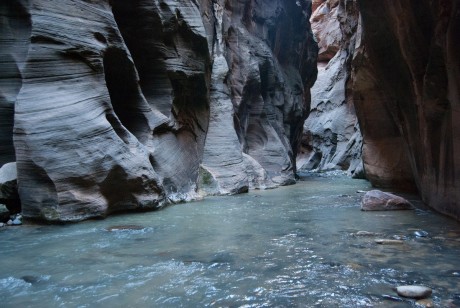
(295, 246)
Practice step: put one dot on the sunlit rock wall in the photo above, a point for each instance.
(407, 95)
(130, 105)
(332, 138)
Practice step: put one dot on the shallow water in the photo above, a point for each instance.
(289, 247)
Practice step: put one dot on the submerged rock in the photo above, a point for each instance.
(364, 233)
(376, 200)
(428, 303)
(414, 291)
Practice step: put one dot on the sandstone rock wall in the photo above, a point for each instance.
(406, 90)
(130, 105)
(332, 137)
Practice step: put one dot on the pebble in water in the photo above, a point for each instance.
(364, 233)
(124, 227)
(391, 298)
(414, 291)
(382, 241)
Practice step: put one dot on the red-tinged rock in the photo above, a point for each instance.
(376, 200)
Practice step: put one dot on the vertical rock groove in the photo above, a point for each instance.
(15, 28)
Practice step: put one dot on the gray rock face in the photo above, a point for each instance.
(272, 66)
(222, 169)
(332, 137)
(132, 105)
(376, 200)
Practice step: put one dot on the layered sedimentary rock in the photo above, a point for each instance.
(406, 87)
(332, 138)
(129, 105)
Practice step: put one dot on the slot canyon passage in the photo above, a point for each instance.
(114, 106)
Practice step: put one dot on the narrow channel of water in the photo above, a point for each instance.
(289, 247)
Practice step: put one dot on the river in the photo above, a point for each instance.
(294, 246)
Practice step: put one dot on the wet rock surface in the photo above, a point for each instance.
(376, 200)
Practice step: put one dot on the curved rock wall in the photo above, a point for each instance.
(130, 105)
(406, 91)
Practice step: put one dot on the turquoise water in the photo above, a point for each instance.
(289, 247)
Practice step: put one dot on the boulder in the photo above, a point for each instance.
(9, 188)
(376, 200)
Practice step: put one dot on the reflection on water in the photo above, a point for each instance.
(291, 247)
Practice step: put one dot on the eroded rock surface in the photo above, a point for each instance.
(130, 105)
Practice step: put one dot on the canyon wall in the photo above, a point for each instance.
(130, 105)
(393, 67)
(406, 83)
(332, 137)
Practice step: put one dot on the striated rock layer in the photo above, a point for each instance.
(130, 105)
(406, 87)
